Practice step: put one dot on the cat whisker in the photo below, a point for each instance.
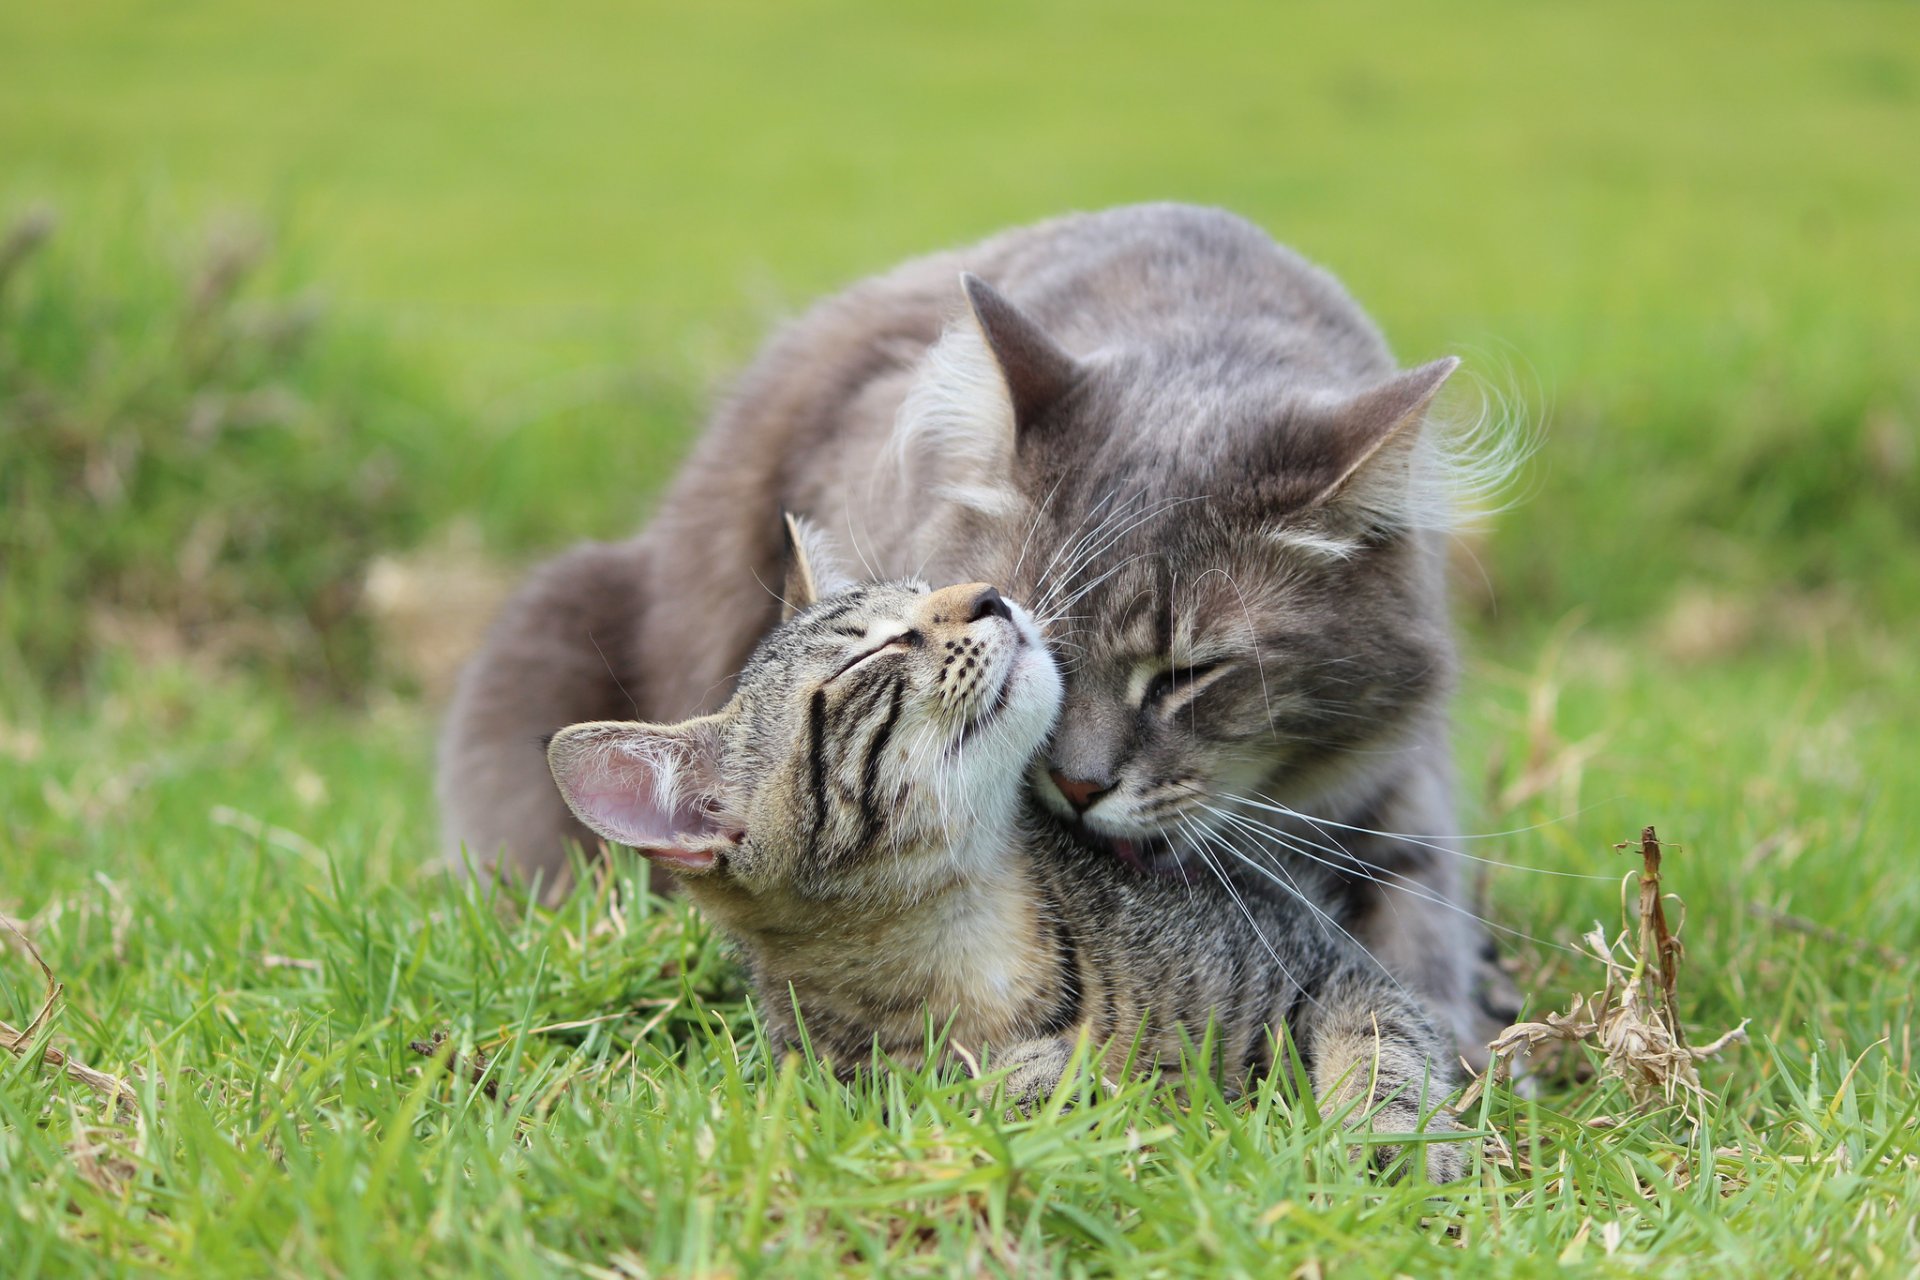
(1068, 546)
(1201, 834)
(920, 570)
(1092, 554)
(1271, 805)
(612, 674)
(1283, 879)
(1100, 539)
(1117, 567)
(1083, 537)
(1373, 874)
(1226, 883)
(1033, 526)
(1095, 552)
(853, 540)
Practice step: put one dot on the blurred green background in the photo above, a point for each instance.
(320, 322)
(1681, 238)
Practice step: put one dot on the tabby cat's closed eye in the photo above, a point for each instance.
(893, 644)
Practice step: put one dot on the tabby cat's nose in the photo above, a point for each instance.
(989, 604)
(1080, 793)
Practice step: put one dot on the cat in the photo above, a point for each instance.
(1191, 450)
(856, 819)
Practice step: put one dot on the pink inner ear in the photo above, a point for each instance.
(685, 859)
(645, 800)
(632, 817)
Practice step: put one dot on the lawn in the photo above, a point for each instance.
(328, 283)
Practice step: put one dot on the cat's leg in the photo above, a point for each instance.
(1413, 909)
(1368, 1046)
(561, 651)
(1410, 921)
(1440, 952)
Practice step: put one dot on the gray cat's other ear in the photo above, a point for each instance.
(1378, 429)
(654, 787)
(1036, 369)
(812, 571)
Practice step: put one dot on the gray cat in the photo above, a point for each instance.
(856, 819)
(1189, 449)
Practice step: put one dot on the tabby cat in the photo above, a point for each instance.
(855, 819)
(1189, 449)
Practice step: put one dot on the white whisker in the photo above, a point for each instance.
(1033, 525)
(1271, 805)
(1279, 875)
(1227, 884)
(1376, 875)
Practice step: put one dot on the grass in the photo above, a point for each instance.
(524, 248)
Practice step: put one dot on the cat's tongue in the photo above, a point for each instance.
(1152, 856)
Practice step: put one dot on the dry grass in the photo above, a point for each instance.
(114, 1091)
(1633, 1023)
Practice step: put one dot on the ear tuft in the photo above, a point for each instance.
(812, 570)
(1036, 369)
(991, 374)
(1379, 428)
(654, 787)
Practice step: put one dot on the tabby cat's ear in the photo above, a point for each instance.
(1035, 369)
(812, 570)
(654, 787)
(1377, 432)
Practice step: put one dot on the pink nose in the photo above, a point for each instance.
(1080, 793)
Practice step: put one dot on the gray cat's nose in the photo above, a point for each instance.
(1080, 792)
(989, 604)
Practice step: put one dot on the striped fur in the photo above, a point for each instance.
(866, 839)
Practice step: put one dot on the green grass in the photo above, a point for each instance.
(529, 242)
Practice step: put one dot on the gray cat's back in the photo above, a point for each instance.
(1150, 271)
(1094, 280)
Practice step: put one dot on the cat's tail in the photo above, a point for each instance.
(561, 651)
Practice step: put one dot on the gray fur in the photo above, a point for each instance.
(1153, 422)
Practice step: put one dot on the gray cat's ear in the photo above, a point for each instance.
(1037, 371)
(654, 787)
(1377, 433)
(812, 570)
(993, 373)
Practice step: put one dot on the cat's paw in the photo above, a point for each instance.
(1446, 1159)
(1033, 1070)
